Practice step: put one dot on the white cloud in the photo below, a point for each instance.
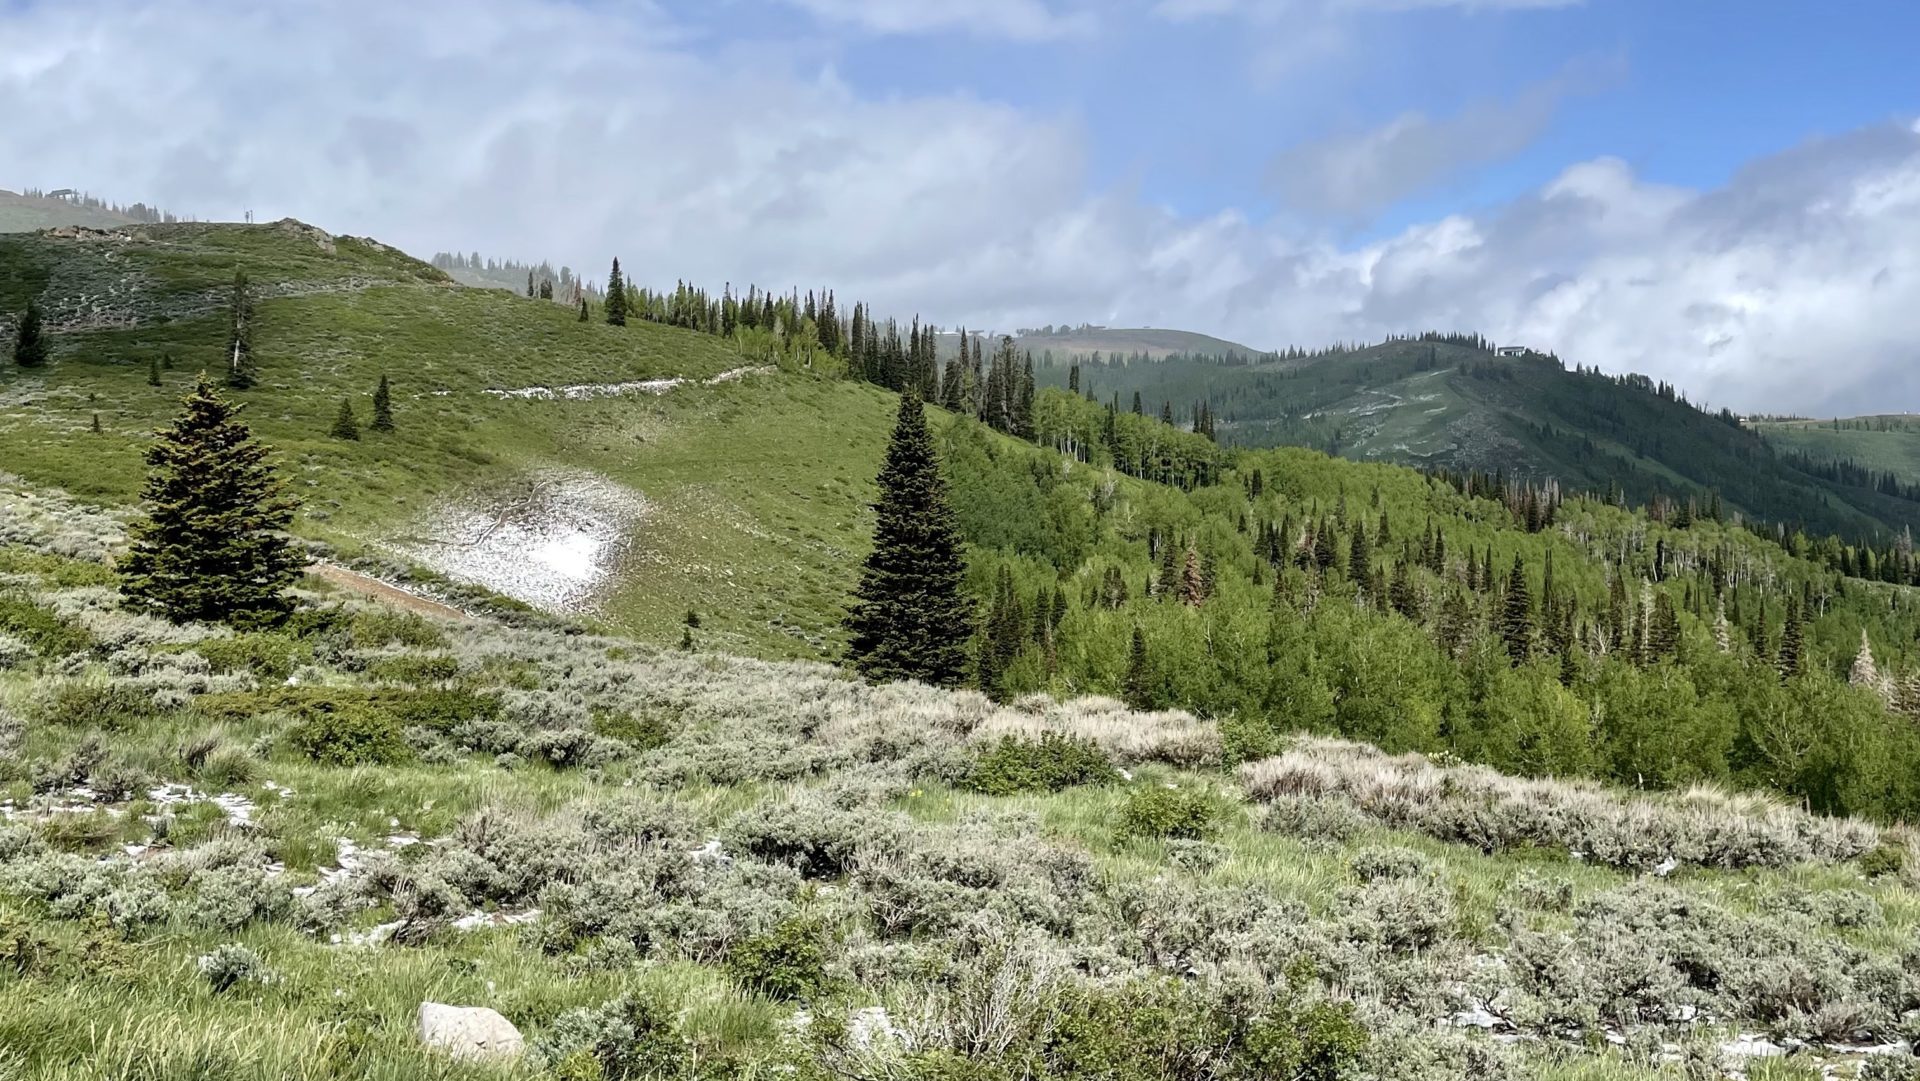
(1017, 20)
(541, 129)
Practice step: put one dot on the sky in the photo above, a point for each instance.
(1725, 195)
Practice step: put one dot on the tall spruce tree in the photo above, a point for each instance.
(1138, 690)
(1516, 615)
(30, 338)
(213, 545)
(242, 372)
(616, 297)
(911, 618)
(383, 407)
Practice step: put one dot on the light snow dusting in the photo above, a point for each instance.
(553, 547)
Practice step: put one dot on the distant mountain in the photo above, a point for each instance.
(1144, 342)
(1453, 403)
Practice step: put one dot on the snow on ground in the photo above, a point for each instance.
(553, 547)
(584, 391)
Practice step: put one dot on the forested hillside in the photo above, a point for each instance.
(1447, 401)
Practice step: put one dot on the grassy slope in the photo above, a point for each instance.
(21, 214)
(760, 537)
(1888, 445)
(1409, 402)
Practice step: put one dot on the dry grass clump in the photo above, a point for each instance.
(1174, 737)
(1478, 806)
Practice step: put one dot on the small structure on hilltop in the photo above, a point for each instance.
(1512, 351)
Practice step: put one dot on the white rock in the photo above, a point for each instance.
(469, 1032)
(1752, 1046)
(871, 1024)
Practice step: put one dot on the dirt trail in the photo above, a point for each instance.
(387, 593)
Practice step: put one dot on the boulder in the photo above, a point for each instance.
(469, 1032)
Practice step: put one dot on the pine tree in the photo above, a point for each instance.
(383, 407)
(910, 618)
(153, 371)
(30, 338)
(1792, 642)
(1193, 587)
(213, 546)
(1006, 624)
(345, 425)
(242, 372)
(586, 314)
(1516, 615)
(95, 426)
(1138, 690)
(616, 297)
(1357, 559)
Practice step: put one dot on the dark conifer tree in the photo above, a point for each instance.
(1358, 564)
(383, 407)
(241, 369)
(910, 618)
(153, 371)
(1792, 641)
(345, 425)
(95, 426)
(1138, 690)
(30, 338)
(213, 546)
(616, 297)
(586, 314)
(1516, 615)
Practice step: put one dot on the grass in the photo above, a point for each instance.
(760, 538)
(1888, 444)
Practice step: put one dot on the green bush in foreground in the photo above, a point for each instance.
(1167, 813)
(1049, 764)
(351, 736)
(788, 962)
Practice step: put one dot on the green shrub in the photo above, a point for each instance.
(1049, 764)
(269, 656)
(1170, 813)
(1884, 860)
(106, 706)
(415, 668)
(373, 629)
(641, 731)
(46, 632)
(351, 736)
(439, 709)
(788, 962)
(231, 965)
(624, 1040)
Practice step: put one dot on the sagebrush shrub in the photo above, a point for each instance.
(626, 1039)
(231, 965)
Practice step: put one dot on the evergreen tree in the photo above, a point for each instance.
(1516, 615)
(1005, 629)
(345, 425)
(95, 426)
(213, 546)
(1193, 586)
(586, 314)
(241, 369)
(383, 407)
(153, 371)
(616, 297)
(30, 338)
(1138, 691)
(1357, 560)
(910, 618)
(1792, 641)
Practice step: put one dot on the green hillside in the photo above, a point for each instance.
(1883, 445)
(1453, 405)
(710, 506)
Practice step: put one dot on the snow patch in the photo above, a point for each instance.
(587, 391)
(554, 547)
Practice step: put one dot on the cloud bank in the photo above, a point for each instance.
(545, 129)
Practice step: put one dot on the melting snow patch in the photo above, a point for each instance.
(585, 391)
(552, 548)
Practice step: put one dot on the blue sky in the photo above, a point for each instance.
(1725, 195)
